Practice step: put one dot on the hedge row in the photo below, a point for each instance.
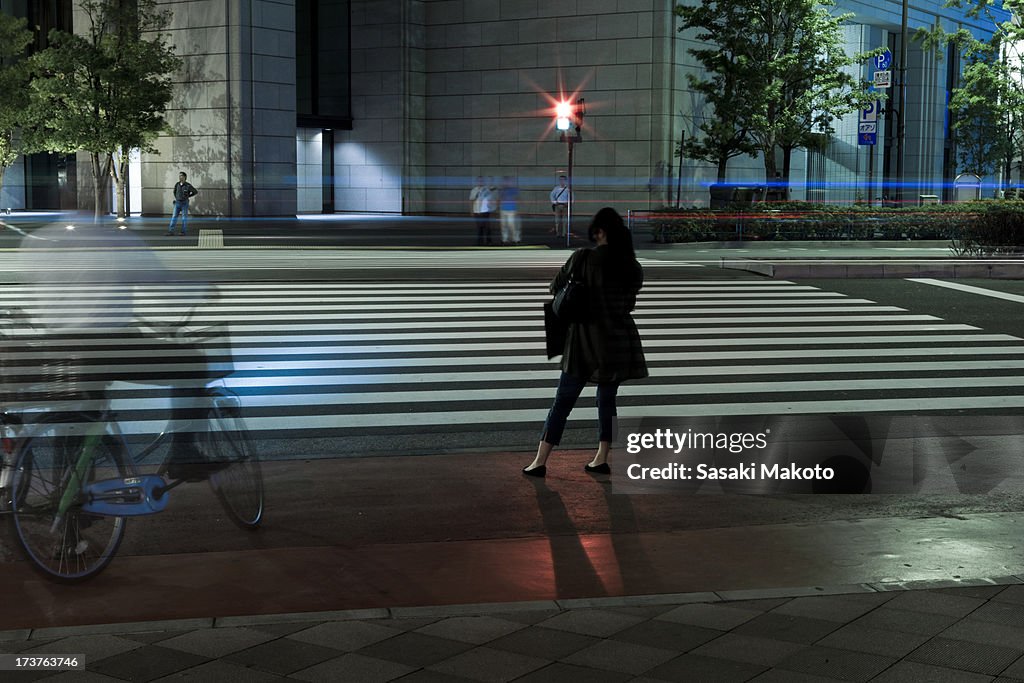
(973, 228)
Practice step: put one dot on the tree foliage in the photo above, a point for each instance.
(105, 91)
(724, 133)
(781, 79)
(986, 109)
(14, 79)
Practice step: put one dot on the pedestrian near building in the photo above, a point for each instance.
(482, 200)
(606, 348)
(183, 191)
(560, 198)
(510, 231)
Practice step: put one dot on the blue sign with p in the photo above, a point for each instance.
(883, 61)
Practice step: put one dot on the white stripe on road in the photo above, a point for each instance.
(170, 352)
(537, 393)
(494, 418)
(1017, 298)
(499, 361)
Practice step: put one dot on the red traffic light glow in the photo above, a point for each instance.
(563, 110)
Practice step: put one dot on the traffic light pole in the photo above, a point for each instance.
(568, 213)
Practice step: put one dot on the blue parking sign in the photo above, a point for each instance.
(883, 61)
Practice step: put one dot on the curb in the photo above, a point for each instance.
(443, 611)
(836, 269)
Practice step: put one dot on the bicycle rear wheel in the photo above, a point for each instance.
(77, 545)
(239, 487)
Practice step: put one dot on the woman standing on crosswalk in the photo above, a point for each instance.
(605, 349)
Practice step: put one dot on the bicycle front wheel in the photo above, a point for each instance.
(76, 545)
(239, 486)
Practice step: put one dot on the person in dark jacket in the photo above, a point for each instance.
(606, 349)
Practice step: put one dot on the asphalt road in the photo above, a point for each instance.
(472, 492)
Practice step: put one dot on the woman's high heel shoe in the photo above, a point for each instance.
(536, 471)
(603, 468)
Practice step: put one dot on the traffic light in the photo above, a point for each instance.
(569, 118)
(563, 115)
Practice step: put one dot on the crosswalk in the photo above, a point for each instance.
(400, 362)
(158, 262)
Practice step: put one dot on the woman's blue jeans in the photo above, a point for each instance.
(569, 389)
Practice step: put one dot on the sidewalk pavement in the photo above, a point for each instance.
(963, 632)
(458, 568)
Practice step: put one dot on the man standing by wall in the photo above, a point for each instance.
(560, 205)
(183, 191)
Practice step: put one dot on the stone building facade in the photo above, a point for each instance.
(440, 91)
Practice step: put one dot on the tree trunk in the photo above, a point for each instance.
(99, 183)
(723, 164)
(3, 170)
(119, 171)
(770, 168)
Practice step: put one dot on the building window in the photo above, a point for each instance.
(323, 64)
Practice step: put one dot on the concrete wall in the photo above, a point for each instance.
(233, 114)
(494, 70)
(369, 159)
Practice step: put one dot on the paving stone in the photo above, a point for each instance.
(630, 658)
(475, 630)
(217, 642)
(559, 672)
(353, 667)
(873, 640)
(829, 662)
(749, 649)
(147, 663)
(966, 656)
(545, 643)
(13, 647)
(667, 635)
(934, 602)
(765, 605)
(490, 665)
(405, 623)
(645, 611)
(415, 649)
(1005, 613)
(780, 676)
(529, 618)
(784, 627)
(15, 635)
(1015, 670)
(71, 677)
(985, 632)
(1014, 594)
(284, 629)
(889, 619)
(704, 669)
(591, 622)
(827, 608)
(983, 592)
(222, 672)
(717, 616)
(152, 636)
(427, 676)
(347, 636)
(915, 672)
(95, 648)
(282, 656)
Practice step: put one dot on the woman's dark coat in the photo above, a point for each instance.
(607, 348)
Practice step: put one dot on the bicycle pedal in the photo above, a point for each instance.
(125, 497)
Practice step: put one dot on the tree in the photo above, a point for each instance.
(778, 76)
(801, 80)
(986, 109)
(105, 92)
(725, 134)
(14, 78)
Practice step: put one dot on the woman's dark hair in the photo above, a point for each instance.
(620, 239)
